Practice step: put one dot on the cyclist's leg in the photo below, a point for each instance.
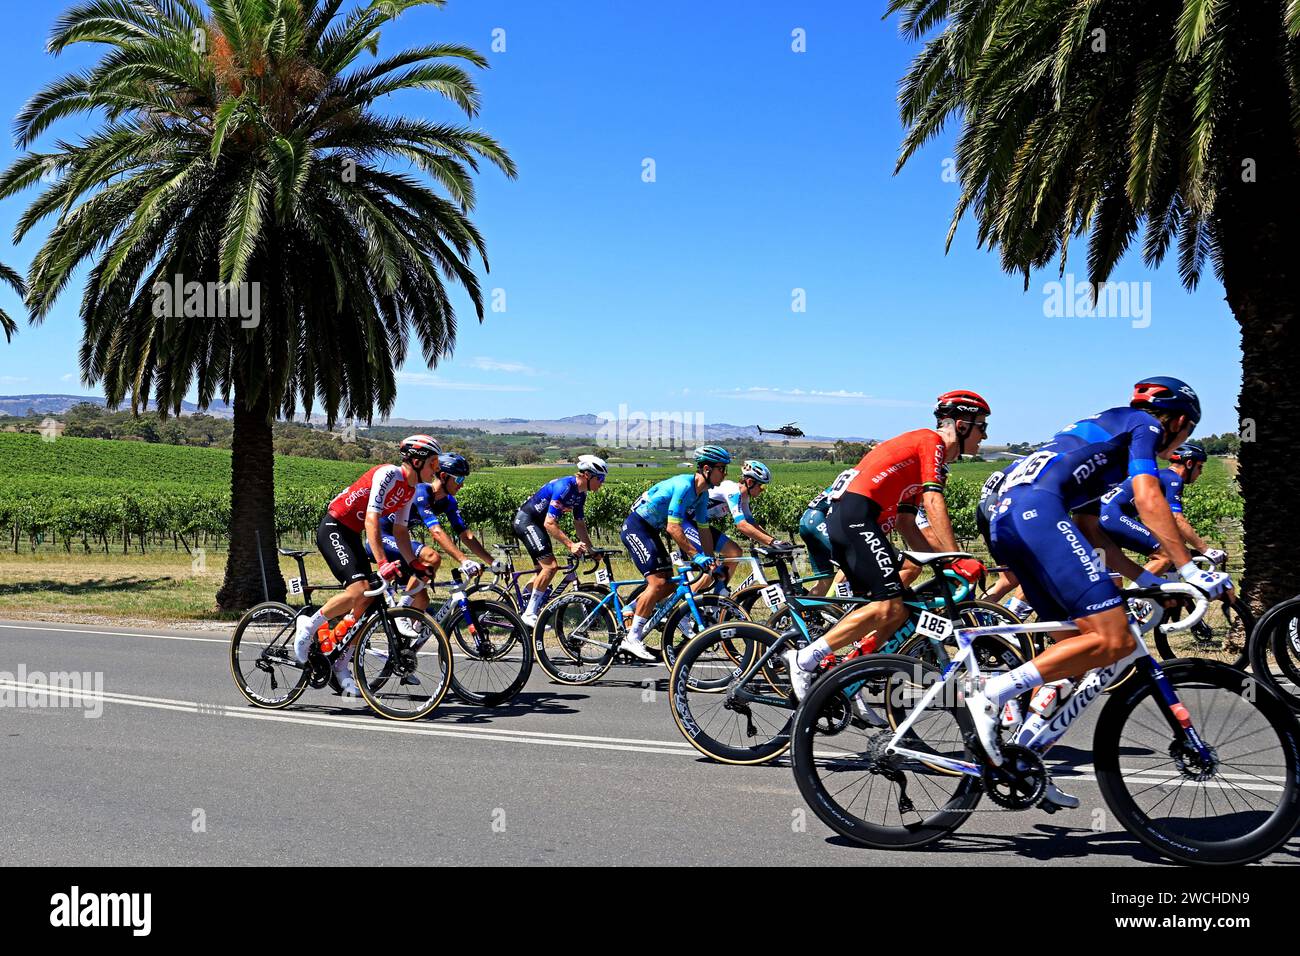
(342, 549)
(648, 553)
(812, 531)
(539, 547)
(724, 547)
(1006, 582)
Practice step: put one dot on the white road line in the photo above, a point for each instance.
(362, 721)
(78, 630)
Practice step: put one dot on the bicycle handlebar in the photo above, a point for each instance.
(1201, 603)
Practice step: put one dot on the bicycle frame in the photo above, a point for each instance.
(662, 609)
(1087, 693)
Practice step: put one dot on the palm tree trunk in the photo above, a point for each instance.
(252, 509)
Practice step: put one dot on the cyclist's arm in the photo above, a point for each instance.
(402, 535)
(580, 529)
(552, 526)
(1153, 509)
(1115, 558)
(439, 534)
(674, 530)
(753, 531)
(1189, 533)
(936, 512)
(915, 538)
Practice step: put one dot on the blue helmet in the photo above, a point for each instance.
(1188, 453)
(454, 465)
(1165, 394)
(712, 455)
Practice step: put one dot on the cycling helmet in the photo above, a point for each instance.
(712, 455)
(454, 465)
(756, 470)
(1188, 453)
(419, 446)
(592, 465)
(960, 402)
(1164, 394)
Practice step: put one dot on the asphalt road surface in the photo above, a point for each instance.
(166, 763)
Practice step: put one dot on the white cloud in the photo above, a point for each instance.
(71, 377)
(425, 380)
(813, 396)
(494, 365)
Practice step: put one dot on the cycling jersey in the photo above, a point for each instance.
(729, 498)
(896, 473)
(431, 510)
(382, 489)
(672, 501)
(1120, 500)
(812, 531)
(1085, 460)
(555, 498)
(823, 499)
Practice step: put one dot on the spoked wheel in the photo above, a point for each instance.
(492, 592)
(574, 638)
(404, 665)
(855, 787)
(1236, 805)
(1219, 636)
(261, 656)
(730, 702)
(494, 653)
(680, 625)
(1275, 652)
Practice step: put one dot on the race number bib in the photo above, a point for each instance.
(295, 585)
(772, 596)
(1028, 469)
(842, 481)
(934, 626)
(602, 576)
(844, 590)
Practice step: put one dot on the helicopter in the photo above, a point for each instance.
(789, 430)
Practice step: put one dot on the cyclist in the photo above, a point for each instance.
(1033, 532)
(1120, 521)
(538, 521)
(435, 506)
(1006, 583)
(880, 495)
(812, 531)
(358, 509)
(666, 506)
(731, 499)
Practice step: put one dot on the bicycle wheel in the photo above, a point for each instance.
(725, 704)
(403, 665)
(575, 638)
(261, 656)
(1247, 797)
(492, 592)
(1219, 636)
(886, 801)
(1275, 652)
(494, 653)
(680, 625)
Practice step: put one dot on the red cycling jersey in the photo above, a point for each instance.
(896, 472)
(383, 490)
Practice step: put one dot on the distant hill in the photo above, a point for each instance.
(57, 404)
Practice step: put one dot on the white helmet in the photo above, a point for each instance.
(593, 465)
(419, 446)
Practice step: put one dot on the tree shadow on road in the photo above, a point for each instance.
(91, 587)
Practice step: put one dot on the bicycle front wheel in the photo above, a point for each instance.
(403, 664)
(1236, 807)
(261, 656)
(575, 638)
(681, 626)
(876, 799)
(494, 653)
(1220, 636)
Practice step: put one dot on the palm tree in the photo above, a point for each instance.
(11, 278)
(1176, 117)
(242, 145)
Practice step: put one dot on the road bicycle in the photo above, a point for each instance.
(492, 644)
(1179, 737)
(730, 689)
(401, 658)
(1222, 634)
(578, 635)
(1274, 650)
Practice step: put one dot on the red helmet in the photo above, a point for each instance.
(961, 401)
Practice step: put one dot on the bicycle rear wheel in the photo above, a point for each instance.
(494, 653)
(261, 656)
(725, 705)
(575, 638)
(680, 625)
(1246, 795)
(875, 799)
(403, 664)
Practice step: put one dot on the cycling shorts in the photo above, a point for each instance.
(1053, 560)
(533, 534)
(393, 553)
(862, 549)
(644, 545)
(343, 550)
(812, 531)
(1129, 533)
(692, 532)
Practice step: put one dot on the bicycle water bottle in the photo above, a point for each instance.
(1048, 698)
(339, 633)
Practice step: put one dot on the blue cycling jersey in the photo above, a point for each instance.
(1085, 460)
(431, 511)
(1120, 500)
(673, 499)
(555, 498)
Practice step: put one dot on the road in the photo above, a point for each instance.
(177, 769)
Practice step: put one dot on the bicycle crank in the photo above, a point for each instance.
(1021, 781)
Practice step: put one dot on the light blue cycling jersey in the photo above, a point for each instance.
(673, 499)
(729, 498)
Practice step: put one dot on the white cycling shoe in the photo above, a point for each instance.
(1059, 798)
(986, 716)
(303, 635)
(800, 679)
(343, 674)
(530, 620)
(636, 647)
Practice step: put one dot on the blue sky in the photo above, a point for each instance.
(773, 172)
